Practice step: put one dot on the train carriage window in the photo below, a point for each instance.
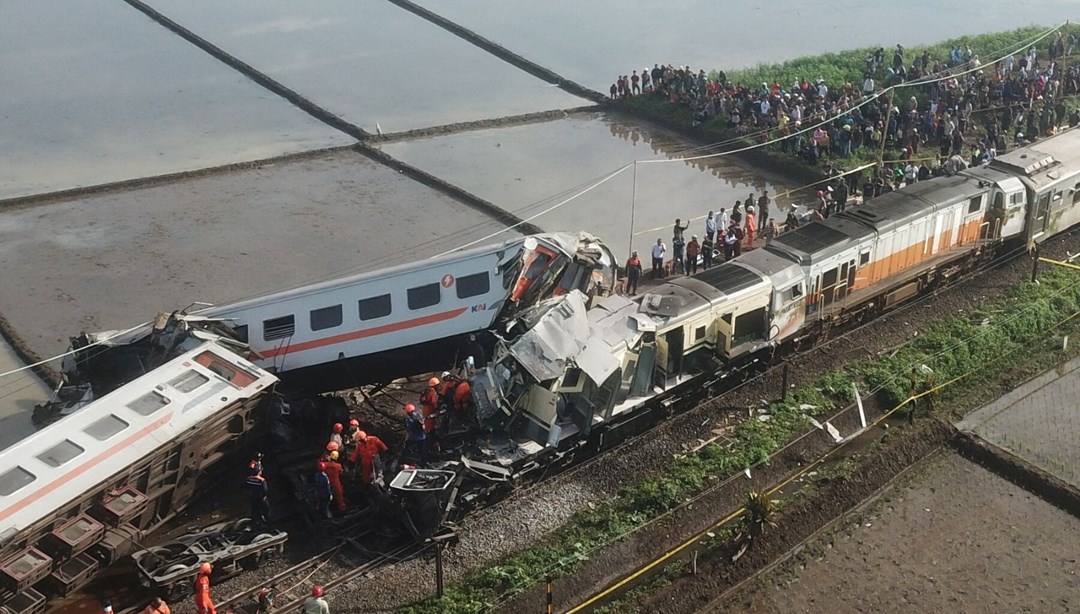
(828, 278)
(424, 296)
(14, 479)
(975, 204)
(864, 259)
(60, 453)
(1018, 198)
(189, 381)
(1076, 193)
(375, 307)
(241, 333)
(473, 285)
(105, 428)
(327, 317)
(699, 333)
(148, 403)
(794, 292)
(279, 328)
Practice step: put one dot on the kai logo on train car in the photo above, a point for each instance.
(480, 307)
(447, 280)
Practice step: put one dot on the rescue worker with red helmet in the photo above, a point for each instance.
(259, 494)
(157, 606)
(367, 451)
(315, 604)
(430, 402)
(335, 433)
(462, 398)
(415, 435)
(333, 470)
(204, 604)
(323, 494)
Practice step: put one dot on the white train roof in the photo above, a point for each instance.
(63, 461)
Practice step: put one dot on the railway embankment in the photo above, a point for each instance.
(949, 332)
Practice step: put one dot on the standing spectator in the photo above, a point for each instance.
(633, 273)
(736, 214)
(258, 492)
(763, 209)
(692, 251)
(635, 87)
(658, 252)
(751, 228)
(710, 226)
(677, 230)
(707, 247)
(678, 248)
(771, 232)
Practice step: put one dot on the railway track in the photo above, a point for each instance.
(339, 565)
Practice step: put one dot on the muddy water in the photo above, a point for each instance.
(94, 92)
(527, 169)
(593, 42)
(114, 260)
(368, 61)
(19, 393)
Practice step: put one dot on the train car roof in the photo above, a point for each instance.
(58, 464)
(685, 295)
(1043, 162)
(914, 202)
(779, 268)
(814, 241)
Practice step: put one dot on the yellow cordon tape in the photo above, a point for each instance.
(1060, 263)
(739, 512)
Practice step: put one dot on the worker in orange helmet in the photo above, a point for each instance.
(315, 604)
(430, 401)
(203, 603)
(368, 448)
(415, 436)
(333, 471)
(157, 606)
(350, 443)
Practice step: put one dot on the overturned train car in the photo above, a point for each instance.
(80, 494)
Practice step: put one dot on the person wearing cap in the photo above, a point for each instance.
(429, 401)
(106, 608)
(633, 273)
(315, 603)
(157, 606)
(693, 249)
(323, 494)
(335, 434)
(333, 470)
(368, 449)
(204, 604)
(415, 436)
(258, 492)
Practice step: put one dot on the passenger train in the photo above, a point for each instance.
(579, 373)
(84, 492)
(353, 330)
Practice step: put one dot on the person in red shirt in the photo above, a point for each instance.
(430, 402)
(203, 603)
(333, 472)
(462, 397)
(368, 447)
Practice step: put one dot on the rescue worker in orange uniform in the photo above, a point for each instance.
(203, 603)
(462, 398)
(430, 402)
(368, 447)
(333, 471)
(157, 606)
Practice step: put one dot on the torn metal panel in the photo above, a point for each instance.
(545, 350)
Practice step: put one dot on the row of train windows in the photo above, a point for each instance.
(376, 307)
(102, 429)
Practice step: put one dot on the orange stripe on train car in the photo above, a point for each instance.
(84, 467)
(360, 334)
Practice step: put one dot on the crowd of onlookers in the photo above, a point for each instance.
(965, 119)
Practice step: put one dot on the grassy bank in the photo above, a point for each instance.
(836, 69)
(963, 352)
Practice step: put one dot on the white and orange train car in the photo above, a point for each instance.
(854, 264)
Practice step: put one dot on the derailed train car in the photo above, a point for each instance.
(84, 492)
(357, 329)
(582, 378)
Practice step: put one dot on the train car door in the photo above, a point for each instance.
(1042, 215)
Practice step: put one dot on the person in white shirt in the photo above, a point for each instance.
(658, 252)
(710, 226)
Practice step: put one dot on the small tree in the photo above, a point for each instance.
(760, 510)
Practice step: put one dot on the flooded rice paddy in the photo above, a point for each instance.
(532, 168)
(94, 92)
(594, 42)
(368, 61)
